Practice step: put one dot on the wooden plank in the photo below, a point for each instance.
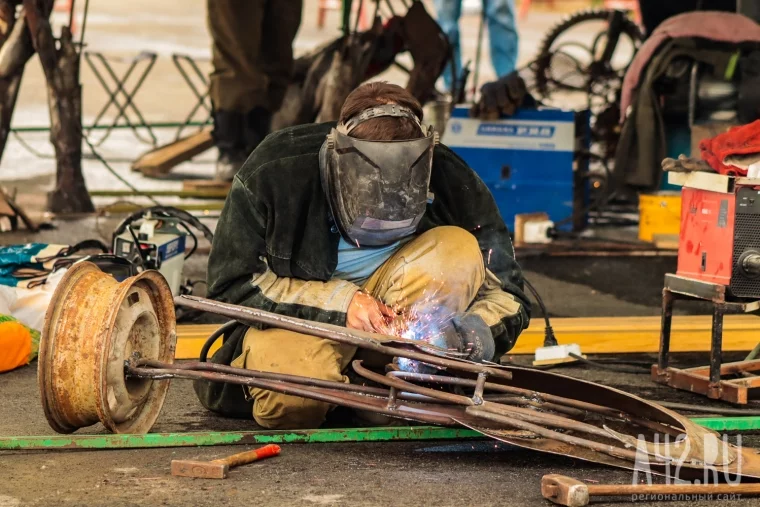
(159, 161)
(595, 335)
(206, 185)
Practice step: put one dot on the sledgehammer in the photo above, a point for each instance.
(218, 468)
(574, 493)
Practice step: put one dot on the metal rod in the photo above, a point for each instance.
(143, 368)
(430, 415)
(667, 319)
(370, 341)
(611, 450)
(402, 385)
(716, 351)
(551, 401)
(197, 439)
(550, 420)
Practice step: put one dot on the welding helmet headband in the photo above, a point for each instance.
(377, 190)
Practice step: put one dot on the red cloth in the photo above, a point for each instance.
(742, 140)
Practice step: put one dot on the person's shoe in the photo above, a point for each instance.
(229, 163)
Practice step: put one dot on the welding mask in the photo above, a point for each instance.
(377, 190)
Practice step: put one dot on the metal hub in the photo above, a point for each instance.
(93, 326)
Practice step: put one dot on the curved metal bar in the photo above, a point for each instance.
(387, 345)
(267, 375)
(550, 420)
(408, 387)
(549, 401)
(510, 422)
(422, 412)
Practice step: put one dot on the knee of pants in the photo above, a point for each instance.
(279, 411)
(282, 351)
(460, 250)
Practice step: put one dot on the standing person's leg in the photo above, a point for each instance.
(502, 35)
(281, 22)
(237, 83)
(448, 13)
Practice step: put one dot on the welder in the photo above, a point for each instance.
(252, 58)
(365, 223)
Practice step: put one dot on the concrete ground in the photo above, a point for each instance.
(442, 473)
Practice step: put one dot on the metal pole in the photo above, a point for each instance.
(382, 434)
(195, 439)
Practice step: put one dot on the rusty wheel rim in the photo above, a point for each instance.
(94, 324)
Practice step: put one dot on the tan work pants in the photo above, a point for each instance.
(443, 267)
(252, 52)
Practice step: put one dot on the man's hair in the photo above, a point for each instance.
(385, 128)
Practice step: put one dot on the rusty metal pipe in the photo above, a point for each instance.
(510, 422)
(387, 345)
(556, 403)
(332, 396)
(550, 420)
(402, 385)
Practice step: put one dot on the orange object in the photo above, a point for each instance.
(219, 468)
(15, 345)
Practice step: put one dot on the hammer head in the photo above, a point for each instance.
(202, 469)
(564, 490)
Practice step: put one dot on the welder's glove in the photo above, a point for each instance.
(469, 333)
(501, 97)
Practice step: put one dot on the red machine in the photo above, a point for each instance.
(720, 236)
(718, 262)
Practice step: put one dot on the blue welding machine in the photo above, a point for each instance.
(526, 160)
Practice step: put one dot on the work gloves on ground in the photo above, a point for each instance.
(468, 332)
(502, 98)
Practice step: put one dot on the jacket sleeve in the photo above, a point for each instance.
(238, 271)
(462, 199)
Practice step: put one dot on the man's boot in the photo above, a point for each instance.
(228, 136)
(236, 136)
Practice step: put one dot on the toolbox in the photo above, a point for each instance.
(528, 160)
(659, 215)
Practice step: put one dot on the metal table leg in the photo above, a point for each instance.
(199, 91)
(667, 319)
(716, 351)
(118, 90)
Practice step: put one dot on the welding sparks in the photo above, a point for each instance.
(425, 321)
(490, 250)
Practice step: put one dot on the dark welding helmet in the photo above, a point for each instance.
(377, 190)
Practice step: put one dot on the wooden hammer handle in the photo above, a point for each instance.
(243, 458)
(672, 489)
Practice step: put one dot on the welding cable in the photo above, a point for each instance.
(143, 259)
(195, 240)
(203, 356)
(611, 366)
(549, 339)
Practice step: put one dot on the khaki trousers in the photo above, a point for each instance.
(443, 268)
(252, 52)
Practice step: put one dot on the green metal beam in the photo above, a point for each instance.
(729, 423)
(196, 439)
(235, 438)
(155, 125)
